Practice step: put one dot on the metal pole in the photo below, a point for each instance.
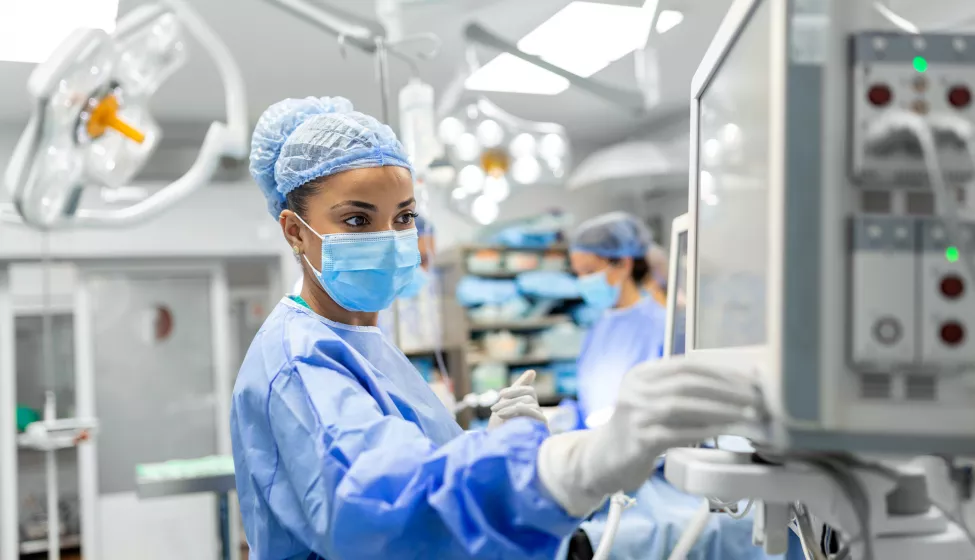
(51, 472)
(85, 405)
(382, 66)
(9, 530)
(223, 385)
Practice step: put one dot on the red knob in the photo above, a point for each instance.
(952, 333)
(960, 96)
(880, 95)
(952, 286)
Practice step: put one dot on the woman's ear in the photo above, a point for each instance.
(292, 230)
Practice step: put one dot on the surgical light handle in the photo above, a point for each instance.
(222, 140)
(214, 146)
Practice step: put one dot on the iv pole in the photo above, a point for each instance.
(364, 34)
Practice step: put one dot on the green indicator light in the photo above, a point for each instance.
(920, 64)
(951, 253)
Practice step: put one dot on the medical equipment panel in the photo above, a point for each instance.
(884, 311)
(831, 227)
(947, 303)
(924, 74)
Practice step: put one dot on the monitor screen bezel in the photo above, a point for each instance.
(678, 228)
(736, 21)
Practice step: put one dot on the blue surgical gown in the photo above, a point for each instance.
(650, 529)
(619, 340)
(343, 452)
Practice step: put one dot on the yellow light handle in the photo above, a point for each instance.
(105, 116)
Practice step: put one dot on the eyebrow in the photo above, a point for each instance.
(356, 204)
(370, 207)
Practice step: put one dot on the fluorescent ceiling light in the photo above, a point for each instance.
(508, 73)
(585, 37)
(667, 20)
(30, 30)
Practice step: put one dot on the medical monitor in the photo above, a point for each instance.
(675, 334)
(818, 258)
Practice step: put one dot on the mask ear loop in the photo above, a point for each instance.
(299, 255)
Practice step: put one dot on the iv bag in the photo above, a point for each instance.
(417, 129)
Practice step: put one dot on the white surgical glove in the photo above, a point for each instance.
(518, 400)
(661, 404)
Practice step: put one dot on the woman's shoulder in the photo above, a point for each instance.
(289, 334)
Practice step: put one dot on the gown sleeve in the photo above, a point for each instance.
(349, 482)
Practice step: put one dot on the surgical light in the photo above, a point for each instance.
(470, 179)
(523, 145)
(484, 210)
(526, 170)
(552, 147)
(489, 133)
(467, 147)
(499, 152)
(91, 126)
(450, 130)
(496, 188)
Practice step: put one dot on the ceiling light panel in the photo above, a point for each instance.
(510, 74)
(585, 37)
(30, 30)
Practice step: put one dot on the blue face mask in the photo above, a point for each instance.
(597, 292)
(420, 280)
(366, 271)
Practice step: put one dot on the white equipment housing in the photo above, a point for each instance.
(819, 253)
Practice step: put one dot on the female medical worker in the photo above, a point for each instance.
(341, 450)
(607, 253)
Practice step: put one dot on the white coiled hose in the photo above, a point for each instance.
(617, 503)
(693, 532)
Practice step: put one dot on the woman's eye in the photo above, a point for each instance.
(407, 218)
(356, 221)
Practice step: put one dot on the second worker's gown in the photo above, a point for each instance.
(343, 452)
(619, 340)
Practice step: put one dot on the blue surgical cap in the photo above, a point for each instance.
(616, 235)
(300, 140)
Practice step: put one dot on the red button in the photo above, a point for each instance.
(960, 96)
(952, 286)
(880, 95)
(952, 333)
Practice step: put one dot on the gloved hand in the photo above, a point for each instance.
(518, 400)
(661, 404)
